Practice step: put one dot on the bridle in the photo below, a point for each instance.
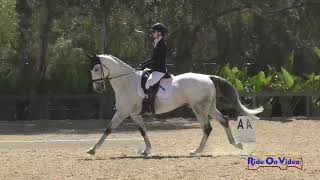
(102, 77)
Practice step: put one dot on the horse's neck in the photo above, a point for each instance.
(116, 65)
(126, 83)
(121, 69)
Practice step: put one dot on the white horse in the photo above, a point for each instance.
(196, 90)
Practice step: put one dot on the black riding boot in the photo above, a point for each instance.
(152, 91)
(148, 103)
(145, 106)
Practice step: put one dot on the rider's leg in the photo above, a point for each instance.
(152, 91)
(153, 87)
(154, 78)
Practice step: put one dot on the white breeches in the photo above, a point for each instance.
(154, 77)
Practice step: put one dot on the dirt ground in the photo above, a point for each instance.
(170, 154)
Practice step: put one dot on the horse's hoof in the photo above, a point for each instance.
(91, 151)
(144, 153)
(193, 153)
(238, 145)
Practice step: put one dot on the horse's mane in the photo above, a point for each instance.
(118, 61)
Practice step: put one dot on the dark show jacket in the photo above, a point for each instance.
(158, 59)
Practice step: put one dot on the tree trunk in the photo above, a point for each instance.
(105, 23)
(185, 42)
(40, 65)
(24, 17)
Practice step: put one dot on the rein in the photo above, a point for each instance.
(110, 78)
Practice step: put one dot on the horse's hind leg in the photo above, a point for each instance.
(142, 128)
(224, 121)
(115, 122)
(202, 117)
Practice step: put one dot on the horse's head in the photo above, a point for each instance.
(99, 73)
(105, 67)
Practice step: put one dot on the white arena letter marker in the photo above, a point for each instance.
(245, 130)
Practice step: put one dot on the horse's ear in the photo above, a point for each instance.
(91, 56)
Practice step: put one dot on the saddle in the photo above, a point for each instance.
(148, 103)
(144, 77)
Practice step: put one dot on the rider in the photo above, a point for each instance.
(157, 63)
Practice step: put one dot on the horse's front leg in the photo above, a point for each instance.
(115, 122)
(142, 128)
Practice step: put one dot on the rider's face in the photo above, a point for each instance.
(155, 34)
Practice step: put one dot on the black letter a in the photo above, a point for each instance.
(248, 124)
(240, 124)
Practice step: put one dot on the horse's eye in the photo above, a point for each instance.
(96, 69)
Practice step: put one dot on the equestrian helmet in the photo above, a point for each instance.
(159, 27)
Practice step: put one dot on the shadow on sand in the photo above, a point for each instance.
(278, 119)
(160, 157)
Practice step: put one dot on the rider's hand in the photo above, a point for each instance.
(143, 66)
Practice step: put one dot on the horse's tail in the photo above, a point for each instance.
(225, 89)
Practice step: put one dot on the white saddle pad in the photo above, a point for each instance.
(165, 88)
